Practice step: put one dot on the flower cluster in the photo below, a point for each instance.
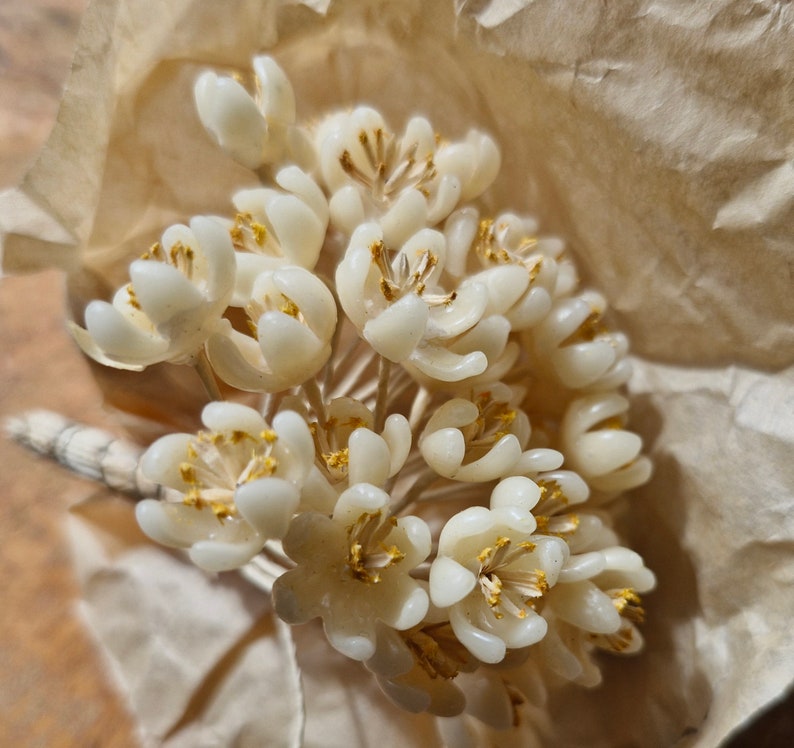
(441, 431)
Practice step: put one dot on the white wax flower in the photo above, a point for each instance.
(476, 441)
(418, 669)
(394, 302)
(405, 183)
(276, 227)
(252, 130)
(489, 571)
(353, 570)
(293, 315)
(228, 489)
(177, 292)
(522, 271)
(598, 447)
(582, 351)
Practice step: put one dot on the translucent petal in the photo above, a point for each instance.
(295, 180)
(369, 458)
(227, 416)
(164, 292)
(267, 505)
(403, 219)
(600, 452)
(450, 582)
(493, 464)
(213, 555)
(397, 434)
(460, 314)
(446, 366)
(300, 232)
(484, 646)
(444, 450)
(396, 331)
(230, 114)
(581, 364)
(515, 491)
(160, 463)
(585, 606)
(118, 338)
(278, 102)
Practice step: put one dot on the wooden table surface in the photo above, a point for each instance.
(54, 690)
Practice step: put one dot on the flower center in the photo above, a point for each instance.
(219, 461)
(385, 172)
(506, 587)
(368, 555)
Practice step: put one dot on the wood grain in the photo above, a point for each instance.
(54, 690)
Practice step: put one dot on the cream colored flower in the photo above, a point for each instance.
(490, 571)
(478, 440)
(253, 130)
(597, 446)
(404, 183)
(228, 489)
(293, 315)
(277, 227)
(353, 570)
(177, 292)
(394, 301)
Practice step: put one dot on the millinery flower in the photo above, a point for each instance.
(394, 301)
(599, 448)
(276, 227)
(403, 183)
(293, 316)
(252, 130)
(353, 570)
(228, 489)
(581, 350)
(596, 604)
(177, 293)
(490, 571)
(476, 440)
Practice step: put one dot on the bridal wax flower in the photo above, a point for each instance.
(276, 227)
(177, 293)
(228, 489)
(293, 316)
(253, 130)
(395, 303)
(353, 570)
(491, 570)
(403, 183)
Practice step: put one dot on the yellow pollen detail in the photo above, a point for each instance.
(289, 307)
(133, 299)
(188, 473)
(337, 460)
(269, 436)
(260, 233)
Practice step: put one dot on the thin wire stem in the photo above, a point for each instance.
(207, 376)
(384, 370)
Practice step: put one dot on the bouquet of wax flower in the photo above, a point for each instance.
(416, 431)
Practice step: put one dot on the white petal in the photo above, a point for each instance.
(396, 331)
(230, 114)
(446, 366)
(461, 314)
(294, 180)
(278, 97)
(582, 566)
(119, 338)
(407, 216)
(294, 448)
(369, 458)
(600, 452)
(361, 497)
(213, 555)
(397, 435)
(227, 416)
(163, 292)
(450, 582)
(495, 463)
(585, 606)
(581, 364)
(346, 209)
(300, 232)
(267, 505)
(515, 491)
(485, 647)
(160, 463)
(444, 450)
(216, 246)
